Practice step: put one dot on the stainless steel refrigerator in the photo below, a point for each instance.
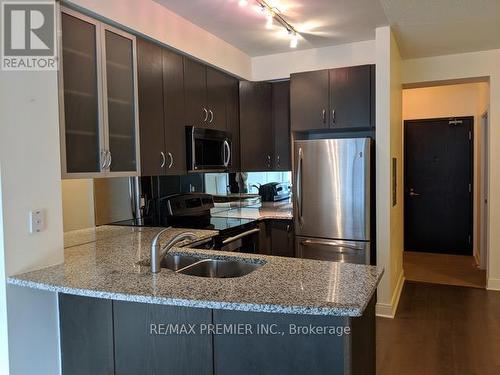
(332, 199)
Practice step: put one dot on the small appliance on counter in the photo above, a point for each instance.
(274, 191)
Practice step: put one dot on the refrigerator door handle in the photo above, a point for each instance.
(299, 186)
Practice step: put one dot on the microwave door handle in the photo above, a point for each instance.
(228, 155)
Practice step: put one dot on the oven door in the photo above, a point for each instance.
(244, 242)
(208, 150)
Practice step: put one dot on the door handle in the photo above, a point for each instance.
(211, 116)
(109, 160)
(104, 159)
(323, 115)
(206, 115)
(333, 116)
(413, 194)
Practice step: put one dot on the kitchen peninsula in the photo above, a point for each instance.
(110, 305)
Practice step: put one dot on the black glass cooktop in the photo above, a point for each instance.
(205, 222)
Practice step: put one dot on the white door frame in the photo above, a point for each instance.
(483, 244)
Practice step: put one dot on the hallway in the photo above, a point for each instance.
(441, 330)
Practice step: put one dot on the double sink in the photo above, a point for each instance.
(208, 267)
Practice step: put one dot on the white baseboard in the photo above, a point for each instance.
(386, 310)
(493, 284)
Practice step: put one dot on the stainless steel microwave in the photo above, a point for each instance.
(208, 150)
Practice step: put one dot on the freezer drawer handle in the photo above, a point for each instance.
(241, 235)
(332, 244)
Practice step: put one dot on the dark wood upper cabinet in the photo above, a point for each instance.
(174, 113)
(151, 122)
(217, 99)
(195, 93)
(161, 110)
(309, 93)
(257, 144)
(205, 96)
(342, 98)
(351, 97)
(281, 125)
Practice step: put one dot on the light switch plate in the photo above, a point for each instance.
(37, 221)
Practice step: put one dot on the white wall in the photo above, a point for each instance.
(4, 338)
(388, 146)
(466, 66)
(155, 21)
(30, 178)
(448, 101)
(281, 65)
(78, 204)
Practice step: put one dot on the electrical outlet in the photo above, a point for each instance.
(37, 221)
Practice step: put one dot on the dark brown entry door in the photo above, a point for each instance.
(438, 185)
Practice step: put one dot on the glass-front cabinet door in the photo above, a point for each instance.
(82, 137)
(98, 99)
(121, 100)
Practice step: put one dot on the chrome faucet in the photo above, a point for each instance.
(158, 253)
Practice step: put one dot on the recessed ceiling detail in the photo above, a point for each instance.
(318, 23)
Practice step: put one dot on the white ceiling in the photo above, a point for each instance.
(422, 27)
(440, 27)
(321, 22)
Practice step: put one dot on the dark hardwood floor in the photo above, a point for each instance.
(441, 329)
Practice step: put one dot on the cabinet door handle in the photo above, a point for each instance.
(109, 160)
(278, 162)
(171, 160)
(323, 115)
(206, 115)
(163, 160)
(211, 116)
(269, 161)
(104, 159)
(333, 116)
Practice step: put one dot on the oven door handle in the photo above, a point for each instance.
(241, 235)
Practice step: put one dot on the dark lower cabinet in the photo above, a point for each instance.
(277, 238)
(282, 238)
(114, 337)
(141, 349)
(281, 350)
(86, 334)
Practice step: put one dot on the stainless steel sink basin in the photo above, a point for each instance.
(212, 268)
(177, 262)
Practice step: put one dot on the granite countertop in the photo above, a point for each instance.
(112, 267)
(265, 211)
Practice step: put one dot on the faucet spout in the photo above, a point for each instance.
(158, 253)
